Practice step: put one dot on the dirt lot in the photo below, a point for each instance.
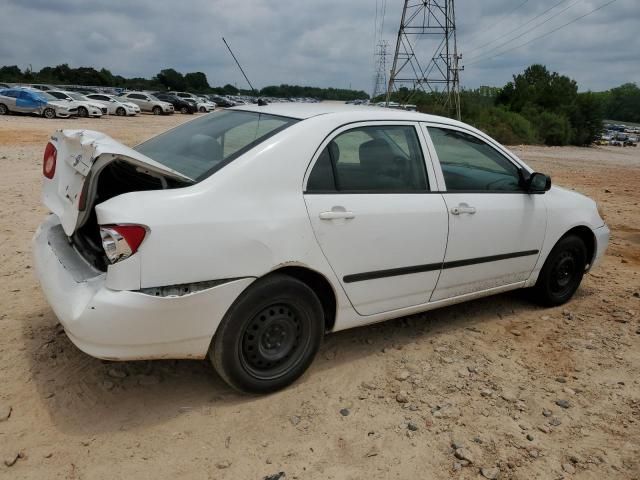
(484, 376)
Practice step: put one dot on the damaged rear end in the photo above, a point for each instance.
(82, 169)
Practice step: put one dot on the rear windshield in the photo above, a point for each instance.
(200, 147)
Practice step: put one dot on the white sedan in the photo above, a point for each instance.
(248, 234)
(114, 105)
(86, 107)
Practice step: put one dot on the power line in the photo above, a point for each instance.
(536, 26)
(546, 34)
(523, 25)
(504, 17)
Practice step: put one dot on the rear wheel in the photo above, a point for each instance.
(120, 112)
(269, 336)
(157, 110)
(562, 272)
(49, 113)
(83, 112)
(3, 109)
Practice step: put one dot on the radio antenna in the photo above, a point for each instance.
(238, 63)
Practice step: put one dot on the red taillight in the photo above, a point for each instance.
(121, 241)
(49, 161)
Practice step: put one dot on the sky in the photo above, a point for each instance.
(319, 43)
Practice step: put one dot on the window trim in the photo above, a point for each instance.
(426, 158)
(480, 136)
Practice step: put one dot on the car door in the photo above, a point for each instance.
(11, 99)
(370, 202)
(496, 228)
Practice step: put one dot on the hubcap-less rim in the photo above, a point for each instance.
(274, 341)
(49, 113)
(563, 273)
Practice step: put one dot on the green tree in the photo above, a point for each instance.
(197, 81)
(171, 79)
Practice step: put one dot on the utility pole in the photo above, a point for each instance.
(433, 21)
(380, 79)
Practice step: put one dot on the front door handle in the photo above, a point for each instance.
(337, 213)
(463, 208)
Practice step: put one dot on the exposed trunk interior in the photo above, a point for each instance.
(116, 178)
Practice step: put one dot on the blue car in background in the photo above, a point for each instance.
(29, 100)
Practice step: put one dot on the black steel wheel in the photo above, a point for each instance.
(269, 336)
(562, 272)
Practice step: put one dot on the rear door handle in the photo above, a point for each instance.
(463, 208)
(336, 215)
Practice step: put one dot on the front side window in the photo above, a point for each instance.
(371, 159)
(200, 147)
(471, 165)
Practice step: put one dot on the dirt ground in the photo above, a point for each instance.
(483, 376)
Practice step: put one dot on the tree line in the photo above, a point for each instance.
(166, 79)
(537, 106)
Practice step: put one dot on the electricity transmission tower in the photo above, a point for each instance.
(439, 73)
(380, 79)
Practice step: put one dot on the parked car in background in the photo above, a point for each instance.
(148, 103)
(179, 104)
(205, 105)
(28, 100)
(86, 108)
(114, 105)
(248, 234)
(222, 101)
(43, 87)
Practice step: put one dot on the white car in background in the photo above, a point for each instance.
(86, 108)
(114, 105)
(148, 103)
(205, 105)
(30, 100)
(248, 234)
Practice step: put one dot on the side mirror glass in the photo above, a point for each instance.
(538, 183)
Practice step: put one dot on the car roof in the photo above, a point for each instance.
(303, 111)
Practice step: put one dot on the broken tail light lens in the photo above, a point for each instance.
(121, 241)
(49, 160)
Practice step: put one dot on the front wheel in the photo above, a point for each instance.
(120, 112)
(157, 110)
(49, 113)
(83, 112)
(203, 110)
(269, 336)
(562, 272)
(184, 110)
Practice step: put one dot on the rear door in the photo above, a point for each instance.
(496, 228)
(383, 231)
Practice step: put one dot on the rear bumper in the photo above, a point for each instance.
(124, 325)
(602, 242)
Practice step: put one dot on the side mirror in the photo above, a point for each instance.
(538, 183)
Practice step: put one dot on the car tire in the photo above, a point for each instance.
(3, 109)
(184, 110)
(562, 272)
(269, 336)
(49, 113)
(203, 110)
(83, 112)
(120, 112)
(157, 111)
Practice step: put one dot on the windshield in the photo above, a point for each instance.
(153, 97)
(77, 96)
(199, 148)
(45, 96)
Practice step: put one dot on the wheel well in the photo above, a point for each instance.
(587, 236)
(321, 286)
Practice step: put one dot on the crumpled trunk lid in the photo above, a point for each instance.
(81, 154)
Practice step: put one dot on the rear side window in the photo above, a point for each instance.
(471, 165)
(371, 159)
(199, 148)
